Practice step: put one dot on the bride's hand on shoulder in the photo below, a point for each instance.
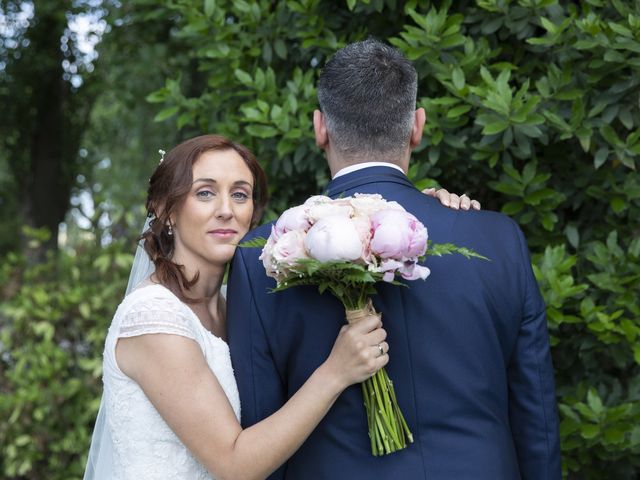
(359, 351)
(452, 200)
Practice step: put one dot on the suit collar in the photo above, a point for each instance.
(364, 177)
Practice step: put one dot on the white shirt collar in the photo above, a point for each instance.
(360, 166)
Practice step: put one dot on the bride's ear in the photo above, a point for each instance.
(157, 210)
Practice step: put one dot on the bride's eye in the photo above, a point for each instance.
(240, 196)
(204, 194)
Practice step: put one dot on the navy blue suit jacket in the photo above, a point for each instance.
(469, 354)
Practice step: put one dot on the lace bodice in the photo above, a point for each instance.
(144, 445)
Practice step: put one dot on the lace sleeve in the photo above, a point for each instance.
(157, 315)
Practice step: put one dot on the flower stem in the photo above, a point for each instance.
(388, 430)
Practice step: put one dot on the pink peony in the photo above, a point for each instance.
(362, 223)
(294, 218)
(413, 271)
(289, 249)
(389, 267)
(409, 270)
(334, 238)
(370, 203)
(317, 200)
(397, 234)
(333, 209)
(267, 254)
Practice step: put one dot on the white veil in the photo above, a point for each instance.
(100, 460)
(142, 265)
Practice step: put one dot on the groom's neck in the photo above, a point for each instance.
(337, 163)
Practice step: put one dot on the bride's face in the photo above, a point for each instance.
(217, 211)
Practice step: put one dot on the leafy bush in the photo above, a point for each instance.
(52, 330)
(532, 107)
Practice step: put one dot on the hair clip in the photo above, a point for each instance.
(162, 153)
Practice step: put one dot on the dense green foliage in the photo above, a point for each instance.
(532, 108)
(51, 361)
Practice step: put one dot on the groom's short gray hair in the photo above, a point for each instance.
(367, 94)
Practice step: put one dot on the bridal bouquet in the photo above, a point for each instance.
(345, 246)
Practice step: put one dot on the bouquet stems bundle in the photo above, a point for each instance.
(388, 430)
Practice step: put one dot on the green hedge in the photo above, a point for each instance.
(52, 331)
(532, 108)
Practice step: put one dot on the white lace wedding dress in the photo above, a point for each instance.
(144, 447)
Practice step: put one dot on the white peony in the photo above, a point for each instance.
(334, 238)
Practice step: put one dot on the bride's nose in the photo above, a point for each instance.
(224, 210)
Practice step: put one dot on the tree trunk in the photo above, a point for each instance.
(47, 191)
(47, 126)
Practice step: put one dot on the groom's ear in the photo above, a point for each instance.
(320, 129)
(420, 117)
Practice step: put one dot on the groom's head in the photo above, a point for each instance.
(367, 96)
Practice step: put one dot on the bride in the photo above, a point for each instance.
(170, 408)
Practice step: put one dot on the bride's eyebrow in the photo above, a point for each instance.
(238, 183)
(204, 180)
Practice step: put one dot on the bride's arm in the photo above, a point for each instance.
(174, 375)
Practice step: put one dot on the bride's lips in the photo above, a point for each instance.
(223, 232)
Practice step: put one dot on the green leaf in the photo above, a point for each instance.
(455, 112)
(610, 135)
(257, 242)
(243, 77)
(529, 130)
(22, 440)
(636, 353)
(184, 119)
(446, 101)
(548, 220)
(158, 96)
(267, 52)
(209, 7)
(573, 236)
(495, 127)
(280, 48)
(529, 172)
(511, 208)
(594, 401)
(440, 249)
(85, 310)
(589, 431)
(600, 157)
(620, 29)
(618, 204)
(262, 131)
(614, 435)
(508, 188)
(166, 113)
(457, 77)
(548, 25)
(538, 196)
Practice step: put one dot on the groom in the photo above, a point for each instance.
(469, 349)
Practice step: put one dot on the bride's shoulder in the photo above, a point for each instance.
(153, 309)
(151, 296)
